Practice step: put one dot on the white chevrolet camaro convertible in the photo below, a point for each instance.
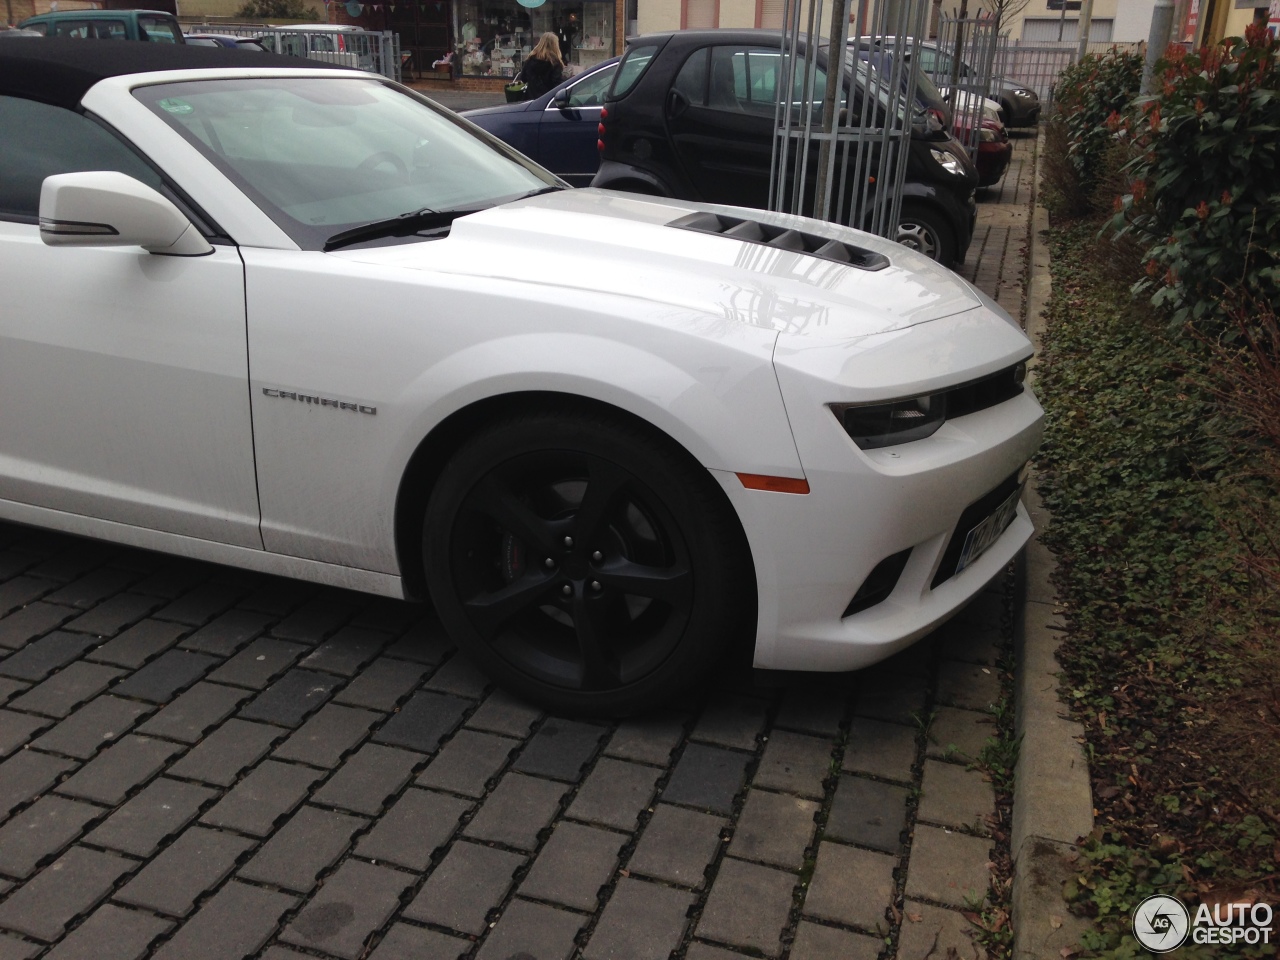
(301, 320)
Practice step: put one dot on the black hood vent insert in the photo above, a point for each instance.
(782, 238)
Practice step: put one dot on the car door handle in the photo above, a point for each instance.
(677, 103)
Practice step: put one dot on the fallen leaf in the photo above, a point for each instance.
(915, 917)
(1055, 921)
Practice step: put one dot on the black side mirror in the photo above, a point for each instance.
(561, 99)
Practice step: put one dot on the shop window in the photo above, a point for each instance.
(494, 36)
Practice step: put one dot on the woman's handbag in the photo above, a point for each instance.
(516, 90)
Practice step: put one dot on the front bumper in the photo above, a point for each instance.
(813, 551)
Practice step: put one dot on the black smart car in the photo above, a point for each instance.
(691, 115)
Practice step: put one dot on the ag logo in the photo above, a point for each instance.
(1160, 923)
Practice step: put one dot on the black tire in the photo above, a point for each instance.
(926, 230)
(622, 519)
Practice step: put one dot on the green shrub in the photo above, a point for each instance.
(1205, 192)
(1088, 96)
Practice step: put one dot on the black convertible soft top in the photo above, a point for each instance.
(60, 72)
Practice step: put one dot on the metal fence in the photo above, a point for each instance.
(1037, 65)
(962, 67)
(368, 50)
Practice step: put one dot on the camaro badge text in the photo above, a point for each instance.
(320, 401)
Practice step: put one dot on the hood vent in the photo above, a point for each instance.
(750, 231)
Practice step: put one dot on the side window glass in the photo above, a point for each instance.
(691, 81)
(158, 30)
(41, 28)
(763, 68)
(38, 140)
(928, 60)
(728, 85)
(590, 92)
(76, 29)
(111, 30)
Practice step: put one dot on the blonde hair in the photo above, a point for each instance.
(548, 48)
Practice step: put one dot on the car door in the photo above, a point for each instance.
(720, 114)
(123, 374)
(569, 128)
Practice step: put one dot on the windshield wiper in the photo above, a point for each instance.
(404, 225)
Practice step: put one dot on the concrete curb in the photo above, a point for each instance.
(1052, 798)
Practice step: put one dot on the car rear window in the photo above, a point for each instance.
(159, 30)
(634, 63)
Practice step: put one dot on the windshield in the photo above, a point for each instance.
(323, 155)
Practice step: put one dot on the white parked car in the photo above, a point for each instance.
(303, 321)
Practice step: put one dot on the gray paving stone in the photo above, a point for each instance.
(196, 862)
(705, 951)
(11, 948)
(67, 689)
(971, 642)
(277, 595)
(573, 865)
(707, 777)
(768, 891)
(170, 577)
(310, 842)
(532, 930)
(795, 763)
(111, 616)
(469, 882)
(317, 618)
(642, 921)
(811, 709)
(732, 722)
(417, 825)
(389, 616)
(815, 942)
(382, 684)
(775, 829)
(615, 794)
(202, 604)
(26, 775)
(881, 749)
(346, 651)
(368, 779)
(41, 657)
(226, 752)
(424, 642)
(459, 676)
(353, 903)
(10, 688)
(159, 811)
(518, 809)
(968, 685)
(167, 675)
(195, 712)
(128, 763)
(111, 933)
(139, 644)
(235, 924)
(326, 737)
(42, 830)
(59, 893)
(424, 721)
(92, 588)
(404, 942)
(99, 722)
(256, 664)
(947, 867)
(264, 796)
(17, 728)
(560, 749)
(957, 734)
(868, 813)
(228, 633)
(505, 714)
(677, 845)
(646, 740)
(292, 698)
(20, 591)
(928, 932)
(34, 620)
(896, 699)
(851, 886)
(952, 795)
(467, 763)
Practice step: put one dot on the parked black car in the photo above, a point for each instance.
(687, 117)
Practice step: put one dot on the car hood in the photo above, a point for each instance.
(596, 244)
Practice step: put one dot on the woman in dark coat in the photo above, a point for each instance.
(543, 68)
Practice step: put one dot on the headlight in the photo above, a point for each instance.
(987, 135)
(948, 161)
(1024, 92)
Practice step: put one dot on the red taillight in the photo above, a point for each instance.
(600, 145)
(604, 113)
(600, 129)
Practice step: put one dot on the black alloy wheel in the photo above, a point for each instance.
(585, 563)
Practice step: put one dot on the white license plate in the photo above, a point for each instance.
(989, 530)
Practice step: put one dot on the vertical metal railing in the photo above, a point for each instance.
(963, 70)
(845, 110)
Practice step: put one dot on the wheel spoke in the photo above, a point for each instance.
(672, 585)
(604, 483)
(495, 500)
(489, 611)
(590, 621)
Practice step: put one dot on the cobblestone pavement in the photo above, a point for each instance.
(200, 763)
